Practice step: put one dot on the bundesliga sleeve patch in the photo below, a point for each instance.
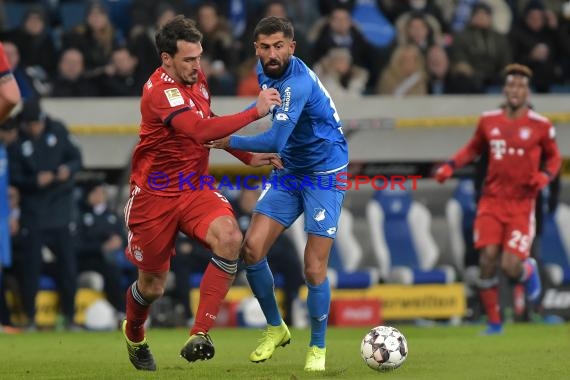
(174, 97)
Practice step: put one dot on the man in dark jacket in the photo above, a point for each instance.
(101, 240)
(43, 163)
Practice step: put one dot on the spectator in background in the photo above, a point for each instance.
(43, 163)
(23, 79)
(405, 74)
(141, 38)
(339, 31)
(420, 30)
(482, 51)
(326, 7)
(535, 42)
(247, 78)
(460, 12)
(122, 76)
(35, 42)
(441, 80)
(217, 41)
(220, 81)
(396, 8)
(96, 38)
(71, 81)
(100, 241)
(339, 76)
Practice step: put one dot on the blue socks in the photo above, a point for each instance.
(318, 302)
(260, 280)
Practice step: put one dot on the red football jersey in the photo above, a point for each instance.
(4, 65)
(163, 156)
(515, 148)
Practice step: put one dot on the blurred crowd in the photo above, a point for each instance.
(73, 48)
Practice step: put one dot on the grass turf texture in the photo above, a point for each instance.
(524, 351)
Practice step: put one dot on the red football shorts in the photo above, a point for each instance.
(154, 221)
(506, 222)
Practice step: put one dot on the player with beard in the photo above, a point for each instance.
(167, 166)
(307, 133)
(514, 137)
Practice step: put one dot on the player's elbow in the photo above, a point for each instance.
(10, 95)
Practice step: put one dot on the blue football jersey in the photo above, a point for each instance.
(306, 129)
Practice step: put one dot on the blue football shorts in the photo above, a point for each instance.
(286, 195)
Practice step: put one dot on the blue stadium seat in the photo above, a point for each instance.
(402, 240)
(375, 27)
(555, 244)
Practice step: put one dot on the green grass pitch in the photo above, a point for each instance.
(524, 351)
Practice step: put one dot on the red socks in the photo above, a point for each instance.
(490, 299)
(137, 313)
(213, 289)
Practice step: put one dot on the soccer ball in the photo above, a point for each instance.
(384, 348)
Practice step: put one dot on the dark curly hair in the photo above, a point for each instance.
(272, 25)
(179, 28)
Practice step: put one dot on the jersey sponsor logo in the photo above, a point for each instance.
(281, 117)
(149, 84)
(495, 132)
(174, 97)
(498, 148)
(524, 133)
(286, 99)
(319, 215)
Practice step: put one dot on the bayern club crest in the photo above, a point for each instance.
(524, 133)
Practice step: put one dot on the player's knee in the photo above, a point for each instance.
(228, 244)
(510, 269)
(153, 291)
(315, 273)
(251, 252)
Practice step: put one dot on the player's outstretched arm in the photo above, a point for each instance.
(203, 130)
(465, 155)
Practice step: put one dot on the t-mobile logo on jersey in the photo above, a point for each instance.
(498, 148)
